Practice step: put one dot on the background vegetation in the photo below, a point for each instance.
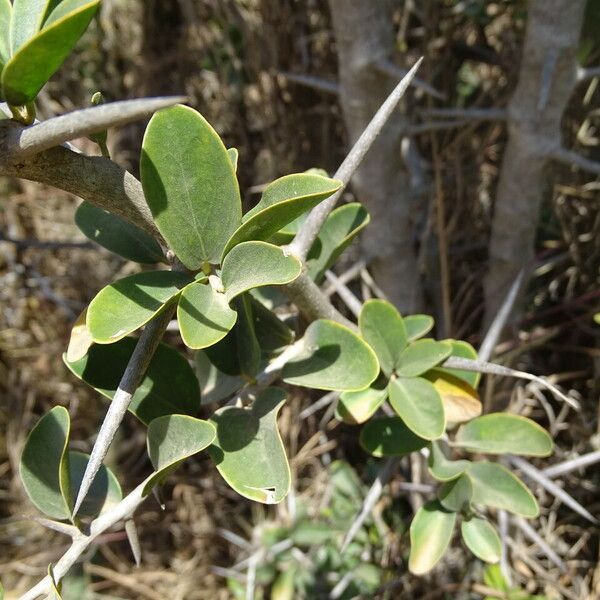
(265, 74)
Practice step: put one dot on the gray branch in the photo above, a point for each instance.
(570, 157)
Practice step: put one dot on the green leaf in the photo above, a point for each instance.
(430, 533)
(460, 400)
(254, 264)
(389, 436)
(339, 230)
(224, 354)
(500, 433)
(493, 578)
(422, 355)
(355, 408)
(462, 349)
(248, 348)
(214, 384)
(204, 316)
(80, 340)
(117, 235)
(41, 56)
(169, 385)
(105, 491)
(481, 539)
(272, 334)
(248, 450)
(495, 486)
(57, 9)
(27, 19)
(190, 185)
(456, 494)
(417, 326)
(382, 327)
(44, 467)
(127, 304)
(332, 358)
(443, 469)
(5, 16)
(173, 438)
(282, 201)
(419, 405)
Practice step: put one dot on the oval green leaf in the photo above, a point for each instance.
(214, 384)
(27, 19)
(248, 450)
(282, 202)
(456, 494)
(105, 491)
(44, 467)
(495, 486)
(417, 326)
(443, 469)
(339, 230)
(204, 316)
(500, 433)
(481, 539)
(422, 355)
(389, 436)
(272, 333)
(173, 438)
(169, 385)
(382, 327)
(254, 264)
(127, 304)
(355, 408)
(117, 235)
(190, 185)
(430, 534)
(5, 17)
(247, 344)
(419, 405)
(40, 57)
(332, 358)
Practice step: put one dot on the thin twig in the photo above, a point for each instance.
(567, 466)
(317, 83)
(575, 159)
(537, 539)
(395, 72)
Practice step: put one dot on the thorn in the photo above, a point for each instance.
(134, 541)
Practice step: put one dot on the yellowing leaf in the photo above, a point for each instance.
(460, 400)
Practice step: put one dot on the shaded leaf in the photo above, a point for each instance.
(27, 19)
(117, 235)
(224, 355)
(389, 436)
(40, 57)
(5, 16)
(422, 355)
(456, 494)
(382, 327)
(105, 491)
(44, 467)
(417, 326)
(214, 384)
(430, 533)
(190, 185)
(460, 400)
(272, 333)
(355, 408)
(495, 486)
(284, 200)
(332, 358)
(125, 305)
(443, 469)
(248, 450)
(254, 264)
(481, 539)
(419, 405)
(169, 385)
(173, 438)
(343, 224)
(248, 348)
(500, 433)
(204, 315)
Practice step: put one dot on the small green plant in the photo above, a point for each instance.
(219, 272)
(496, 582)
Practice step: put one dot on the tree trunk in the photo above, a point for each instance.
(365, 38)
(546, 80)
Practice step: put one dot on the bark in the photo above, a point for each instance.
(365, 38)
(547, 77)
